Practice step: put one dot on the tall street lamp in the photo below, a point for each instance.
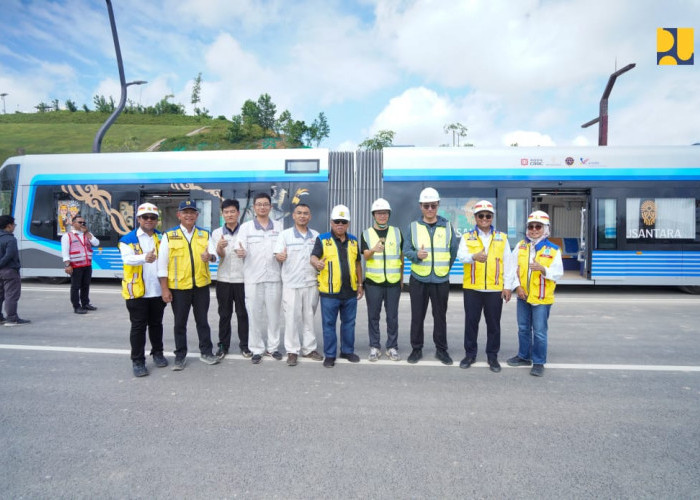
(3, 101)
(602, 119)
(97, 144)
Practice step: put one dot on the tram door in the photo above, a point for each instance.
(515, 204)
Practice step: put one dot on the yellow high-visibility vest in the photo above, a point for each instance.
(384, 266)
(184, 256)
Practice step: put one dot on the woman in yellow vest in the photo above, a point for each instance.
(539, 266)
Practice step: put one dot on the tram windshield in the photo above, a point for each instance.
(8, 183)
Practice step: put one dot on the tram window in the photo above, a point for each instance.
(516, 220)
(650, 219)
(607, 224)
(301, 166)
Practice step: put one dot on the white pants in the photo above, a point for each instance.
(262, 301)
(299, 306)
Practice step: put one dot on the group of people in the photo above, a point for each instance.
(273, 276)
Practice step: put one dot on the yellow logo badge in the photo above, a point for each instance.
(675, 46)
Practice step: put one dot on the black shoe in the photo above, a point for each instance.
(467, 362)
(537, 370)
(16, 322)
(245, 352)
(79, 310)
(221, 352)
(518, 361)
(159, 360)
(179, 364)
(494, 365)
(352, 357)
(90, 307)
(415, 356)
(140, 369)
(444, 358)
(276, 355)
(256, 359)
(329, 362)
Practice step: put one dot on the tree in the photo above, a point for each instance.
(101, 104)
(42, 107)
(55, 105)
(266, 110)
(284, 117)
(382, 139)
(70, 106)
(196, 91)
(250, 112)
(165, 107)
(85, 108)
(235, 130)
(319, 129)
(458, 130)
(294, 132)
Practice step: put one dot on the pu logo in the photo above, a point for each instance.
(674, 46)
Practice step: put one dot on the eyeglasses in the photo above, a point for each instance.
(429, 206)
(536, 227)
(262, 205)
(485, 216)
(339, 221)
(149, 217)
(81, 222)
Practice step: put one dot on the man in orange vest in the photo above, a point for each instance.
(76, 248)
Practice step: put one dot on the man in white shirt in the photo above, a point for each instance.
(263, 281)
(299, 286)
(488, 271)
(230, 289)
(183, 270)
(141, 288)
(76, 249)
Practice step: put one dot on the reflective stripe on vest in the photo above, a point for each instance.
(80, 251)
(438, 247)
(386, 265)
(485, 275)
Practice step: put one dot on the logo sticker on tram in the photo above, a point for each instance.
(675, 47)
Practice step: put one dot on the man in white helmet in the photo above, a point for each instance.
(336, 258)
(539, 266)
(381, 246)
(141, 288)
(431, 245)
(488, 269)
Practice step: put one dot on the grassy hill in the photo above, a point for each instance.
(66, 132)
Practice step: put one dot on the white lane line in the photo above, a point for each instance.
(431, 363)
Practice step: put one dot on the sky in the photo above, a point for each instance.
(521, 71)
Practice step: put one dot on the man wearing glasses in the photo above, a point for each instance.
(262, 278)
(141, 289)
(488, 265)
(336, 258)
(76, 249)
(431, 246)
(539, 266)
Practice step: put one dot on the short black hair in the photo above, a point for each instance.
(302, 205)
(259, 196)
(230, 203)
(6, 220)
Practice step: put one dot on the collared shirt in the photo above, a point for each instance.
(65, 243)
(164, 250)
(150, 269)
(297, 271)
(230, 268)
(509, 262)
(260, 265)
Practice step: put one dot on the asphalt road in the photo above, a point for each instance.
(615, 416)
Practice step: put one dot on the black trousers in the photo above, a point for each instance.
(491, 304)
(228, 295)
(437, 294)
(80, 286)
(198, 300)
(145, 313)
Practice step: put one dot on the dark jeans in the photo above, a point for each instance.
(80, 286)
(331, 308)
(492, 305)
(145, 313)
(437, 293)
(198, 300)
(228, 294)
(388, 295)
(10, 290)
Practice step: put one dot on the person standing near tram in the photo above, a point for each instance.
(381, 246)
(431, 246)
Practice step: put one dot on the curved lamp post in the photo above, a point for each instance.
(602, 119)
(97, 144)
(3, 101)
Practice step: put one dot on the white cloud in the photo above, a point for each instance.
(525, 138)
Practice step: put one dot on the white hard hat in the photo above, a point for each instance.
(380, 204)
(483, 206)
(538, 216)
(428, 195)
(147, 208)
(340, 212)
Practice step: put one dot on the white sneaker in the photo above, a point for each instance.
(393, 354)
(374, 354)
